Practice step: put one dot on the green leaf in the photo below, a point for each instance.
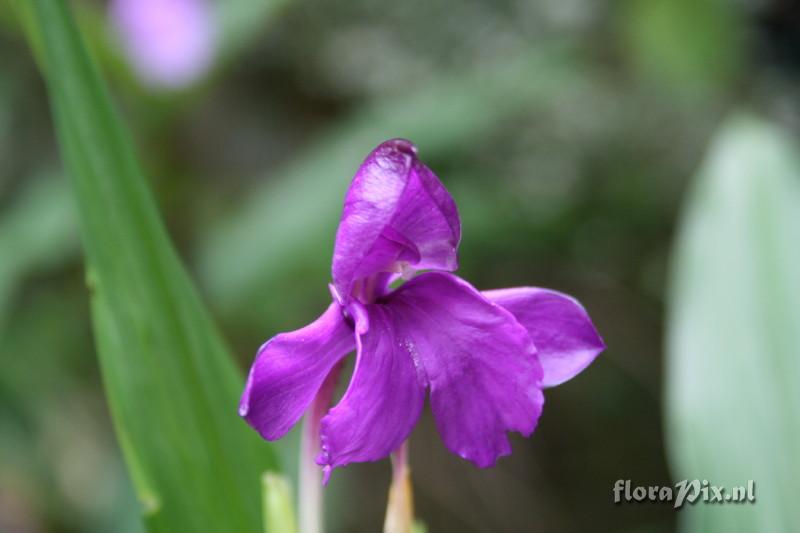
(277, 504)
(171, 384)
(419, 527)
(733, 335)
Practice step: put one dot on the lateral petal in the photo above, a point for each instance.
(559, 326)
(289, 370)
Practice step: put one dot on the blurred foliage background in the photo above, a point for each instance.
(568, 132)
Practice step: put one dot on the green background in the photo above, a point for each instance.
(639, 155)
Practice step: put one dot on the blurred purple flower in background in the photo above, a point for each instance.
(484, 357)
(169, 43)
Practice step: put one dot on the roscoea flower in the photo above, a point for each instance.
(170, 43)
(483, 356)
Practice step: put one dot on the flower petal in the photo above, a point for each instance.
(170, 43)
(396, 210)
(289, 370)
(559, 326)
(383, 401)
(480, 364)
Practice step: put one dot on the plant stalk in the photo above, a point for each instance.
(310, 500)
(400, 509)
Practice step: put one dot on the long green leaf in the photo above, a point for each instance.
(734, 331)
(170, 382)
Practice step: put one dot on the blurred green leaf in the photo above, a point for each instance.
(686, 44)
(38, 231)
(277, 504)
(733, 335)
(286, 224)
(21, 16)
(171, 384)
(240, 22)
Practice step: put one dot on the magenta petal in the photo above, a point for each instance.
(559, 326)
(396, 211)
(383, 401)
(480, 364)
(289, 370)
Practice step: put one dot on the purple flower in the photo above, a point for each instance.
(170, 43)
(484, 356)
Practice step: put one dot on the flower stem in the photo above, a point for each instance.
(400, 509)
(310, 500)
(310, 479)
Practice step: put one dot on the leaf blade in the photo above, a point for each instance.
(171, 383)
(732, 337)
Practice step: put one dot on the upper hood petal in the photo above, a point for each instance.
(396, 210)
